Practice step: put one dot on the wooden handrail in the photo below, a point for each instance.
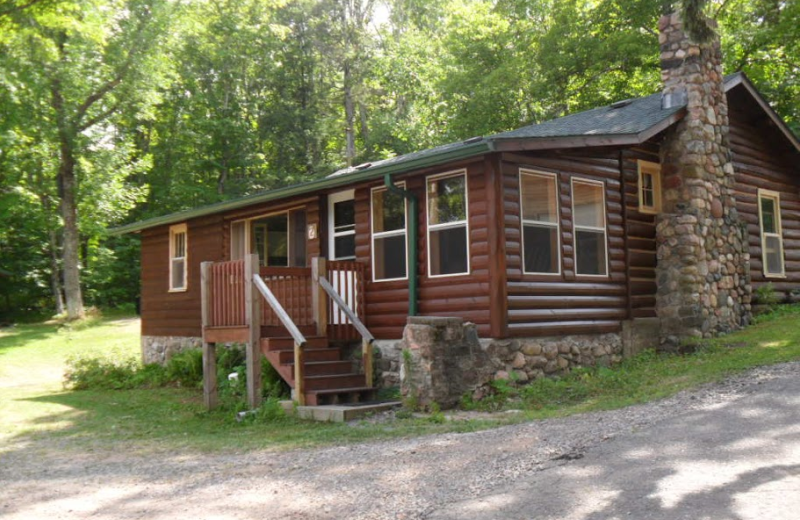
(297, 336)
(326, 285)
(367, 337)
(279, 311)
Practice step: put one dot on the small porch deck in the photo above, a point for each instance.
(298, 318)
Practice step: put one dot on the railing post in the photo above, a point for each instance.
(366, 356)
(319, 300)
(209, 349)
(253, 315)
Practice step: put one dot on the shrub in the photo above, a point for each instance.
(185, 368)
(767, 296)
(100, 374)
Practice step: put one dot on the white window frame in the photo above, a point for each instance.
(523, 221)
(576, 227)
(333, 198)
(776, 198)
(248, 230)
(448, 225)
(175, 230)
(387, 234)
(654, 170)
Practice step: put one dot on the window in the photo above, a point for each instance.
(448, 242)
(769, 216)
(649, 187)
(589, 218)
(541, 244)
(342, 225)
(389, 257)
(177, 257)
(278, 240)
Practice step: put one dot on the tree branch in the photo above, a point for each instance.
(95, 97)
(99, 117)
(110, 85)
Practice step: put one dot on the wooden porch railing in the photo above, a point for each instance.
(347, 278)
(329, 294)
(227, 301)
(366, 337)
(292, 287)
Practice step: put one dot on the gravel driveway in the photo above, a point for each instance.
(390, 479)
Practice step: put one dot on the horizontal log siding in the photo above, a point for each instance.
(540, 305)
(464, 296)
(641, 235)
(761, 162)
(167, 313)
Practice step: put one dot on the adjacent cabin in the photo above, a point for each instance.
(654, 217)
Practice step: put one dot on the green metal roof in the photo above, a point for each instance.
(400, 164)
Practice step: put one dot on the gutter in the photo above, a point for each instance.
(413, 231)
(469, 149)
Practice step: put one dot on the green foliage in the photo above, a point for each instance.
(185, 369)
(695, 22)
(767, 296)
(101, 374)
(226, 98)
(436, 416)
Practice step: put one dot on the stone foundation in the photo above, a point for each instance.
(159, 349)
(441, 359)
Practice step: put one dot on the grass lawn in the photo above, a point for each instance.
(36, 411)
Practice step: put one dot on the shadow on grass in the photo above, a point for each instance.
(19, 336)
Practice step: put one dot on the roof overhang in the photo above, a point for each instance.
(587, 141)
(744, 81)
(376, 172)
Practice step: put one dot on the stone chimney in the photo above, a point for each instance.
(702, 273)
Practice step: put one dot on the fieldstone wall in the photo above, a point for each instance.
(159, 349)
(702, 274)
(441, 359)
(386, 360)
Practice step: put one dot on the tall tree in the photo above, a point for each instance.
(93, 61)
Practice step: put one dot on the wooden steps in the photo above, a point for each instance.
(328, 379)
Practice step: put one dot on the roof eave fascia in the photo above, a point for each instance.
(742, 79)
(377, 172)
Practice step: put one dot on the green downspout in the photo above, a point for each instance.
(413, 231)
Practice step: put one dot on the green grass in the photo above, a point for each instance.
(774, 339)
(36, 411)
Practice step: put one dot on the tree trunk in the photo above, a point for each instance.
(69, 213)
(350, 116)
(55, 274)
(362, 112)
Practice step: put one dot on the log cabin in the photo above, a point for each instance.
(655, 216)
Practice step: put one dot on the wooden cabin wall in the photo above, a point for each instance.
(465, 296)
(761, 160)
(167, 313)
(543, 305)
(641, 235)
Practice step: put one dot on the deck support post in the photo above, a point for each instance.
(299, 382)
(209, 348)
(319, 300)
(366, 357)
(253, 315)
